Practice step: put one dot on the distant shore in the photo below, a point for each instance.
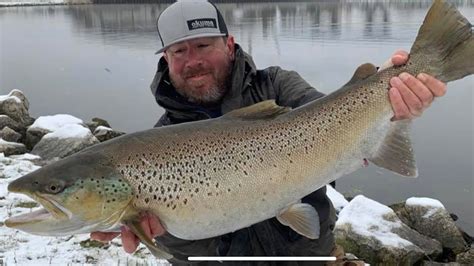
(82, 2)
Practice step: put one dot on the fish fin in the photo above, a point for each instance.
(396, 153)
(302, 218)
(156, 249)
(446, 34)
(362, 72)
(263, 110)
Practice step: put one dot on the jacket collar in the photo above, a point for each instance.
(166, 96)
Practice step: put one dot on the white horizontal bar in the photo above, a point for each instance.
(230, 258)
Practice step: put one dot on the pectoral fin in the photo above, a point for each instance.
(302, 218)
(155, 249)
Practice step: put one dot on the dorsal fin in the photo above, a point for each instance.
(362, 72)
(263, 110)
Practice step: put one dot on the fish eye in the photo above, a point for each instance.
(54, 188)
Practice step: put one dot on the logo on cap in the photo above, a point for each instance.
(202, 23)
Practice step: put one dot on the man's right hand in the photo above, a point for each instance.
(150, 224)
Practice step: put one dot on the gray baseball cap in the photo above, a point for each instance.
(186, 20)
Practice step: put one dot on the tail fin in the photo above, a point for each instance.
(447, 34)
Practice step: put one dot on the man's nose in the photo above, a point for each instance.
(194, 58)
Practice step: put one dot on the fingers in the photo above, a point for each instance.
(412, 103)
(129, 240)
(103, 236)
(400, 57)
(437, 87)
(400, 109)
(156, 229)
(150, 225)
(410, 96)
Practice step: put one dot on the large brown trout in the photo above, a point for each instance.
(208, 178)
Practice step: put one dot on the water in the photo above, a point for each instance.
(98, 60)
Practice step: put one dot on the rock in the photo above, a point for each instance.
(466, 258)
(372, 231)
(15, 105)
(430, 218)
(97, 122)
(47, 124)
(34, 135)
(103, 133)
(19, 94)
(6, 121)
(90, 243)
(65, 141)
(9, 134)
(11, 148)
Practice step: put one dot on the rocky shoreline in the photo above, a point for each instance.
(418, 231)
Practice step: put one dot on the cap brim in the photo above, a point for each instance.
(202, 35)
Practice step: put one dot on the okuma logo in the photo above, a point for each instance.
(202, 23)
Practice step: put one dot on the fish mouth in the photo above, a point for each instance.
(51, 211)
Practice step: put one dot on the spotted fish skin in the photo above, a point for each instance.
(207, 178)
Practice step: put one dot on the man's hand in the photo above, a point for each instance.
(150, 224)
(410, 96)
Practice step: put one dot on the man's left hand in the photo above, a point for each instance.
(410, 95)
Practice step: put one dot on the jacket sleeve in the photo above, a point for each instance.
(291, 89)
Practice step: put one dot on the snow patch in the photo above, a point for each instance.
(433, 205)
(366, 217)
(336, 198)
(69, 131)
(25, 156)
(5, 97)
(426, 202)
(55, 122)
(4, 142)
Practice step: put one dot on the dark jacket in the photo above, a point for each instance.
(248, 86)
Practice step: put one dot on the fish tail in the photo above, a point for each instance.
(446, 36)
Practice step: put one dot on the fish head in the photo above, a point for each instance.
(79, 194)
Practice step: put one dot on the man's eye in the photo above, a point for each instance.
(203, 45)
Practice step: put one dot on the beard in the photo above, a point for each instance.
(208, 91)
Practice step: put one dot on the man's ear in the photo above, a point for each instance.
(231, 46)
(165, 56)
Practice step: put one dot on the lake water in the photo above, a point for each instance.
(98, 60)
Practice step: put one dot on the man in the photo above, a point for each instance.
(203, 74)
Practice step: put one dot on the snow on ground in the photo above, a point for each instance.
(18, 248)
(366, 217)
(69, 131)
(55, 122)
(336, 198)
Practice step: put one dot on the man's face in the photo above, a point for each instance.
(200, 68)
